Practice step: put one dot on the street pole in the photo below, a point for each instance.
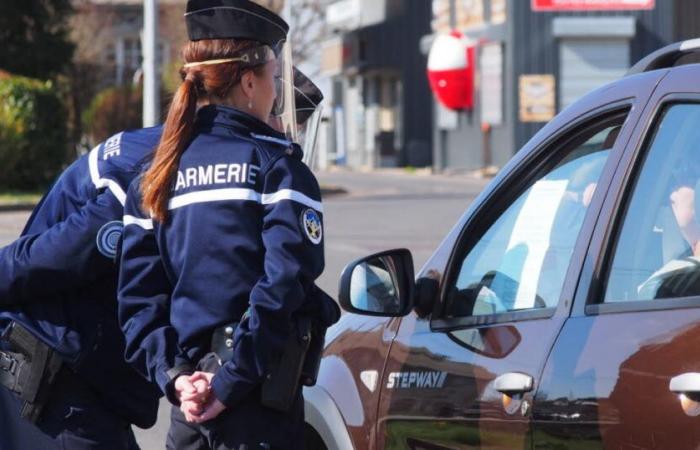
(444, 134)
(151, 81)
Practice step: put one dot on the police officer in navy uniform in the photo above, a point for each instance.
(223, 241)
(61, 352)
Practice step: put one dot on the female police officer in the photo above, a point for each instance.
(224, 232)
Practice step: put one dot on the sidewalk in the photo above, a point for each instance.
(396, 182)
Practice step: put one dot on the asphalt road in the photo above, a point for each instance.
(380, 211)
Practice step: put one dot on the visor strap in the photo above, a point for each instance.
(214, 61)
(253, 57)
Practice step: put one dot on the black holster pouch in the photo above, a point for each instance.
(327, 314)
(301, 360)
(312, 361)
(281, 385)
(29, 370)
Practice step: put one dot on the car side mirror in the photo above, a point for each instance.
(378, 285)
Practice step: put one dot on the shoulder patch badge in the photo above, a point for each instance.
(312, 226)
(108, 238)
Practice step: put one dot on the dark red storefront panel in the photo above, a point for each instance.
(591, 5)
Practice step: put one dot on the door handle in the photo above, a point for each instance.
(512, 383)
(687, 386)
(687, 383)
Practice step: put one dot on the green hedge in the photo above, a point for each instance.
(33, 133)
(112, 110)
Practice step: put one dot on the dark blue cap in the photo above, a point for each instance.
(234, 19)
(307, 96)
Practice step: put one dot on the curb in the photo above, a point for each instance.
(332, 191)
(14, 207)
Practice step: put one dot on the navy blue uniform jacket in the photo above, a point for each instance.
(59, 278)
(244, 235)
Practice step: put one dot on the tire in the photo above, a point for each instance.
(312, 439)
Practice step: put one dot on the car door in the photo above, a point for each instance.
(623, 372)
(464, 375)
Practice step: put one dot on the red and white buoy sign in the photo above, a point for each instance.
(451, 71)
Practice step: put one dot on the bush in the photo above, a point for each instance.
(33, 133)
(112, 110)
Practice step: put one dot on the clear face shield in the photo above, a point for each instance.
(284, 109)
(307, 114)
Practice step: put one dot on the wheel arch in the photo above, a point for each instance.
(322, 414)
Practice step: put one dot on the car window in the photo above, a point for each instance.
(657, 254)
(521, 260)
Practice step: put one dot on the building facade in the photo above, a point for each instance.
(379, 110)
(108, 34)
(536, 57)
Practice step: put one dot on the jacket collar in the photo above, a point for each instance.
(219, 115)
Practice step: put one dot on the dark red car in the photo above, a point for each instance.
(561, 312)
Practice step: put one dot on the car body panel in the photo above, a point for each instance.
(606, 383)
(466, 406)
(351, 369)
(405, 383)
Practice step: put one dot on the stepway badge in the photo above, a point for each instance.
(421, 380)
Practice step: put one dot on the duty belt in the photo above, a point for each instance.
(222, 341)
(296, 366)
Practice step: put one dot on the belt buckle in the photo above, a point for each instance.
(3, 365)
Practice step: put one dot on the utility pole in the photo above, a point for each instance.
(151, 79)
(444, 134)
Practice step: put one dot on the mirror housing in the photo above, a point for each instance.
(426, 294)
(379, 285)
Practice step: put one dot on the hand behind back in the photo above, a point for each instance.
(196, 400)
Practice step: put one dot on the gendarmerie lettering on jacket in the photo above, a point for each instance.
(217, 174)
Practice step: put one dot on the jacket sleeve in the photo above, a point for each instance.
(64, 256)
(292, 236)
(144, 302)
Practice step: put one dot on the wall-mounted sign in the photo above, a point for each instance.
(498, 11)
(491, 69)
(591, 5)
(352, 14)
(332, 57)
(468, 14)
(537, 102)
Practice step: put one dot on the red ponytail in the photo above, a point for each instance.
(177, 132)
(213, 81)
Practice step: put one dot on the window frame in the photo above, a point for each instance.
(615, 223)
(534, 166)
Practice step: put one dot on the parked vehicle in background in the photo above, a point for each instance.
(562, 311)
